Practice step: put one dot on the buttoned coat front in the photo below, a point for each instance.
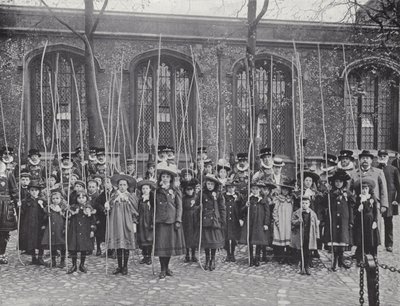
(392, 177)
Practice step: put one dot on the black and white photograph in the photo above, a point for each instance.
(199, 152)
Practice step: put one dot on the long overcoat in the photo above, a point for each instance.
(57, 220)
(341, 214)
(392, 177)
(33, 217)
(314, 232)
(79, 228)
(233, 204)
(145, 221)
(190, 221)
(259, 215)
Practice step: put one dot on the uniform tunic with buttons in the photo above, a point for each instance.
(259, 216)
(233, 204)
(170, 240)
(37, 171)
(57, 220)
(213, 220)
(79, 229)
(8, 189)
(341, 213)
(190, 221)
(33, 217)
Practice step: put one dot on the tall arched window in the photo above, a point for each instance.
(59, 99)
(273, 84)
(373, 92)
(173, 85)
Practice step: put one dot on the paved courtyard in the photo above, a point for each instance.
(229, 284)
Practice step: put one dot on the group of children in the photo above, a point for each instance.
(219, 208)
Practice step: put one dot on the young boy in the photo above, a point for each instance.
(233, 204)
(24, 181)
(257, 222)
(304, 233)
(32, 221)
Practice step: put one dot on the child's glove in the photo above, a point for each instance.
(107, 205)
(241, 222)
(247, 204)
(374, 225)
(265, 227)
(177, 225)
(43, 227)
(360, 208)
(91, 234)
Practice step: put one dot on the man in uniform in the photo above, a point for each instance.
(266, 163)
(8, 158)
(35, 166)
(392, 177)
(241, 173)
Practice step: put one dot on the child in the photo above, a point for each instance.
(123, 208)
(368, 205)
(57, 207)
(304, 233)
(268, 193)
(169, 239)
(32, 221)
(93, 190)
(81, 230)
(282, 217)
(257, 221)
(145, 221)
(340, 211)
(214, 218)
(190, 219)
(24, 181)
(233, 204)
(223, 169)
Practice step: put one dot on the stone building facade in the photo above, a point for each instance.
(201, 85)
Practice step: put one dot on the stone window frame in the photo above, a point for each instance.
(167, 55)
(28, 61)
(386, 63)
(292, 69)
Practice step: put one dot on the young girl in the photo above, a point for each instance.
(368, 205)
(304, 233)
(257, 221)
(123, 208)
(233, 203)
(32, 220)
(223, 169)
(81, 230)
(168, 231)
(282, 217)
(190, 220)
(340, 211)
(214, 218)
(145, 222)
(58, 208)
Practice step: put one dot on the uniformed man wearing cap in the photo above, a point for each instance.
(241, 173)
(392, 177)
(7, 158)
(266, 164)
(35, 166)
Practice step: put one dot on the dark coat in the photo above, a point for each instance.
(190, 221)
(8, 193)
(233, 214)
(33, 217)
(168, 205)
(79, 228)
(341, 212)
(145, 221)
(259, 215)
(57, 220)
(101, 215)
(314, 231)
(392, 176)
(370, 215)
(213, 219)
